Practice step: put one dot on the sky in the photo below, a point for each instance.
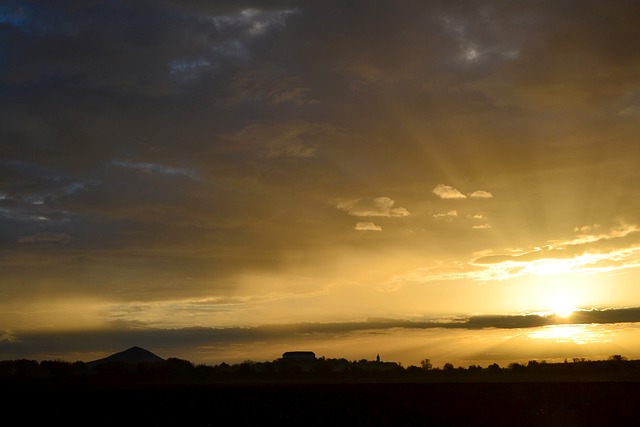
(226, 181)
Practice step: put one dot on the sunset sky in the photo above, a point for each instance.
(228, 180)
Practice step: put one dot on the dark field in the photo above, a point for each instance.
(355, 404)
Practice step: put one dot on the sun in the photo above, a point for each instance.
(562, 306)
(564, 311)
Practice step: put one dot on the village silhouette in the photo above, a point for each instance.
(137, 387)
(140, 366)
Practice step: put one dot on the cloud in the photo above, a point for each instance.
(379, 206)
(238, 29)
(290, 148)
(367, 226)
(481, 227)
(156, 168)
(46, 237)
(579, 317)
(287, 139)
(187, 70)
(623, 230)
(253, 86)
(447, 192)
(586, 228)
(253, 22)
(477, 216)
(472, 47)
(583, 255)
(297, 95)
(480, 194)
(6, 336)
(448, 215)
(631, 111)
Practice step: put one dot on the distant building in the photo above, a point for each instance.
(299, 355)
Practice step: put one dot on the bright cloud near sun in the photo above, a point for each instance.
(573, 256)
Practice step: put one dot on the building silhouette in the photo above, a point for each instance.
(299, 355)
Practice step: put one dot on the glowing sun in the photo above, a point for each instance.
(562, 306)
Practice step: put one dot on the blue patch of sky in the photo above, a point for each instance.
(188, 70)
(184, 66)
(31, 17)
(13, 13)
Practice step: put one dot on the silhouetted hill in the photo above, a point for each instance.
(131, 355)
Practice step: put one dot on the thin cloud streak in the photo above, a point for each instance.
(155, 168)
(576, 256)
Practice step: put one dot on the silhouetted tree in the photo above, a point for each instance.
(617, 358)
(426, 364)
(516, 367)
(178, 368)
(56, 368)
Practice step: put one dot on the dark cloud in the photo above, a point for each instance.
(88, 84)
(46, 237)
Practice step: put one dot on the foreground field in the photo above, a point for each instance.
(354, 404)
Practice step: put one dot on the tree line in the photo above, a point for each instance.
(174, 370)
